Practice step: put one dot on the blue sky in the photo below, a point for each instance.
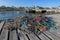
(17, 3)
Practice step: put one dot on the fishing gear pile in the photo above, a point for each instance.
(37, 24)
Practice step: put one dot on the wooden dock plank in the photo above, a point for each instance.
(4, 35)
(13, 35)
(1, 24)
(42, 37)
(53, 36)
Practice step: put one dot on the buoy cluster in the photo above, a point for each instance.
(37, 24)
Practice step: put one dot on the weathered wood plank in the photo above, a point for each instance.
(13, 35)
(53, 36)
(4, 35)
(1, 24)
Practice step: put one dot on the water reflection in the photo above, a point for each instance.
(11, 14)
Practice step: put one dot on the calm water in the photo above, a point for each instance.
(11, 14)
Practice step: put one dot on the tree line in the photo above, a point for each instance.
(4, 8)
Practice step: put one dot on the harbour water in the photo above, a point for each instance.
(11, 14)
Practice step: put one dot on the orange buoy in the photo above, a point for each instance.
(42, 28)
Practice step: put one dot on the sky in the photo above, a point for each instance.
(43, 3)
